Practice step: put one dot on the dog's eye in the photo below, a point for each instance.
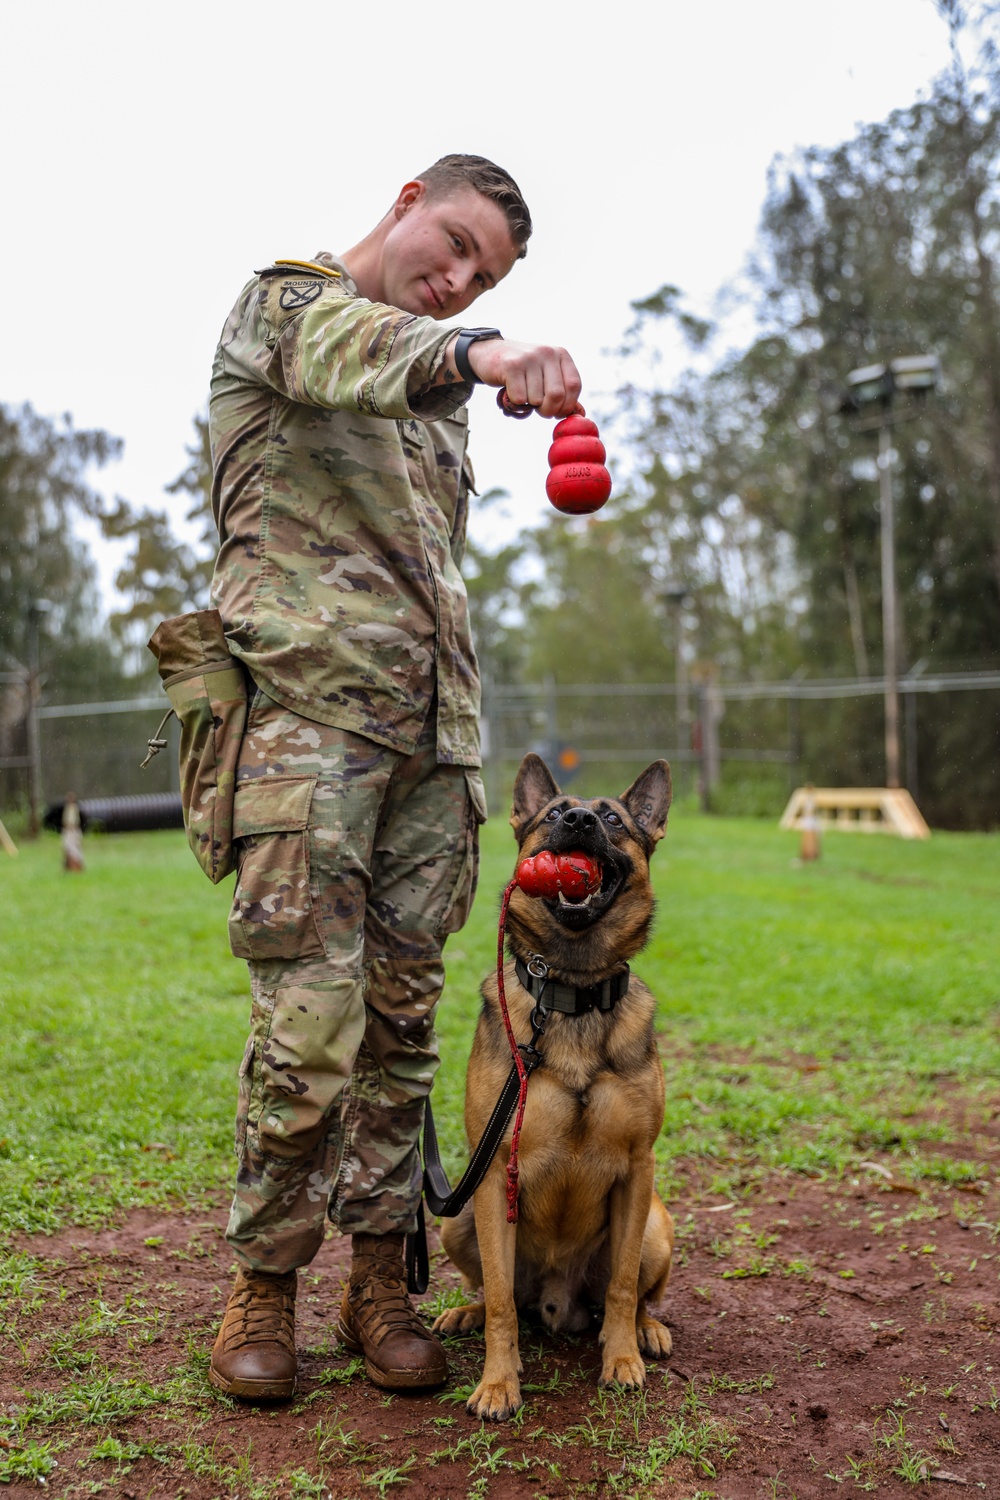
(554, 815)
(613, 819)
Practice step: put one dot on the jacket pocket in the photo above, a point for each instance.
(272, 914)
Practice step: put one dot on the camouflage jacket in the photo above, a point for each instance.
(340, 493)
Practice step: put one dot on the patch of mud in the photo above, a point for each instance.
(825, 1336)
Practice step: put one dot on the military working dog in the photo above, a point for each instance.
(591, 1229)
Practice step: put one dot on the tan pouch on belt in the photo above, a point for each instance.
(208, 690)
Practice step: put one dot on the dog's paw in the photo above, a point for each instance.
(458, 1320)
(654, 1339)
(495, 1400)
(626, 1370)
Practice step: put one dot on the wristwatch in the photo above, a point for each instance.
(466, 337)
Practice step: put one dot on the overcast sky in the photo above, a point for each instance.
(154, 155)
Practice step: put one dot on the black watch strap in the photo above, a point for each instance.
(466, 337)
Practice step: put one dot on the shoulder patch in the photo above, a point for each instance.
(296, 294)
(283, 295)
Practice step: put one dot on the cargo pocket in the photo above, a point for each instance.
(463, 895)
(272, 914)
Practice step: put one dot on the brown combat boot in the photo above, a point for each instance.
(377, 1320)
(254, 1354)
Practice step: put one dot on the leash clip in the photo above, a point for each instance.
(537, 967)
(538, 1018)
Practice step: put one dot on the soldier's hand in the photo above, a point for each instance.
(538, 375)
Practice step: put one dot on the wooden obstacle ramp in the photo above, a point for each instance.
(876, 809)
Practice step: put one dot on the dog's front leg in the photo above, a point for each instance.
(630, 1200)
(498, 1394)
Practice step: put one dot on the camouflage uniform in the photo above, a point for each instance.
(341, 491)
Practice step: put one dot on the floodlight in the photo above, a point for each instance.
(916, 372)
(872, 383)
(876, 386)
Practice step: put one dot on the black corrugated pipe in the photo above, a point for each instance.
(123, 814)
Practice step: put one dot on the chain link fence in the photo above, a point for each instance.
(738, 746)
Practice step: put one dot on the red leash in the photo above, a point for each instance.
(544, 875)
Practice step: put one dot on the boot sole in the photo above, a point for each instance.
(252, 1390)
(389, 1380)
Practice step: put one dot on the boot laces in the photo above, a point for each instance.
(262, 1311)
(379, 1298)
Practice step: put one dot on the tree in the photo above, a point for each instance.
(496, 583)
(748, 486)
(44, 489)
(164, 575)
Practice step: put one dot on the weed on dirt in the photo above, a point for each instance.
(861, 1359)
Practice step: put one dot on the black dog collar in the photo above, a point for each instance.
(570, 999)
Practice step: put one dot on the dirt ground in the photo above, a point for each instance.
(830, 1338)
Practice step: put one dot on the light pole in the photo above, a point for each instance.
(876, 387)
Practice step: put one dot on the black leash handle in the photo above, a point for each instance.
(444, 1200)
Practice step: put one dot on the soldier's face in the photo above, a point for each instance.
(442, 253)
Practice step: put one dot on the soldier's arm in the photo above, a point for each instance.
(345, 352)
(307, 339)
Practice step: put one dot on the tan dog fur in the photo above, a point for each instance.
(591, 1227)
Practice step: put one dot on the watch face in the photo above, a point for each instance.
(479, 333)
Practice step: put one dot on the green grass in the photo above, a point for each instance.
(807, 1015)
(124, 1016)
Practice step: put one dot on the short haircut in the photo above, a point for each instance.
(452, 172)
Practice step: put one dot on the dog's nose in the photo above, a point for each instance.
(580, 819)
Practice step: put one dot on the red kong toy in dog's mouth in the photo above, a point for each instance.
(569, 878)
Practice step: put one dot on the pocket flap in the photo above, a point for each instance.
(477, 795)
(187, 641)
(272, 804)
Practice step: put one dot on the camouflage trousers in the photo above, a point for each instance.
(354, 864)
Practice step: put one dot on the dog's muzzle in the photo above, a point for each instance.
(581, 829)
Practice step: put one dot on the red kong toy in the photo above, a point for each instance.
(578, 482)
(547, 874)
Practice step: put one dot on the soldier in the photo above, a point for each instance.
(341, 489)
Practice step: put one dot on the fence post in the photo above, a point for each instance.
(704, 763)
(794, 740)
(912, 785)
(34, 754)
(37, 609)
(552, 723)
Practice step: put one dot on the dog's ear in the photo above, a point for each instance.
(648, 800)
(534, 786)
